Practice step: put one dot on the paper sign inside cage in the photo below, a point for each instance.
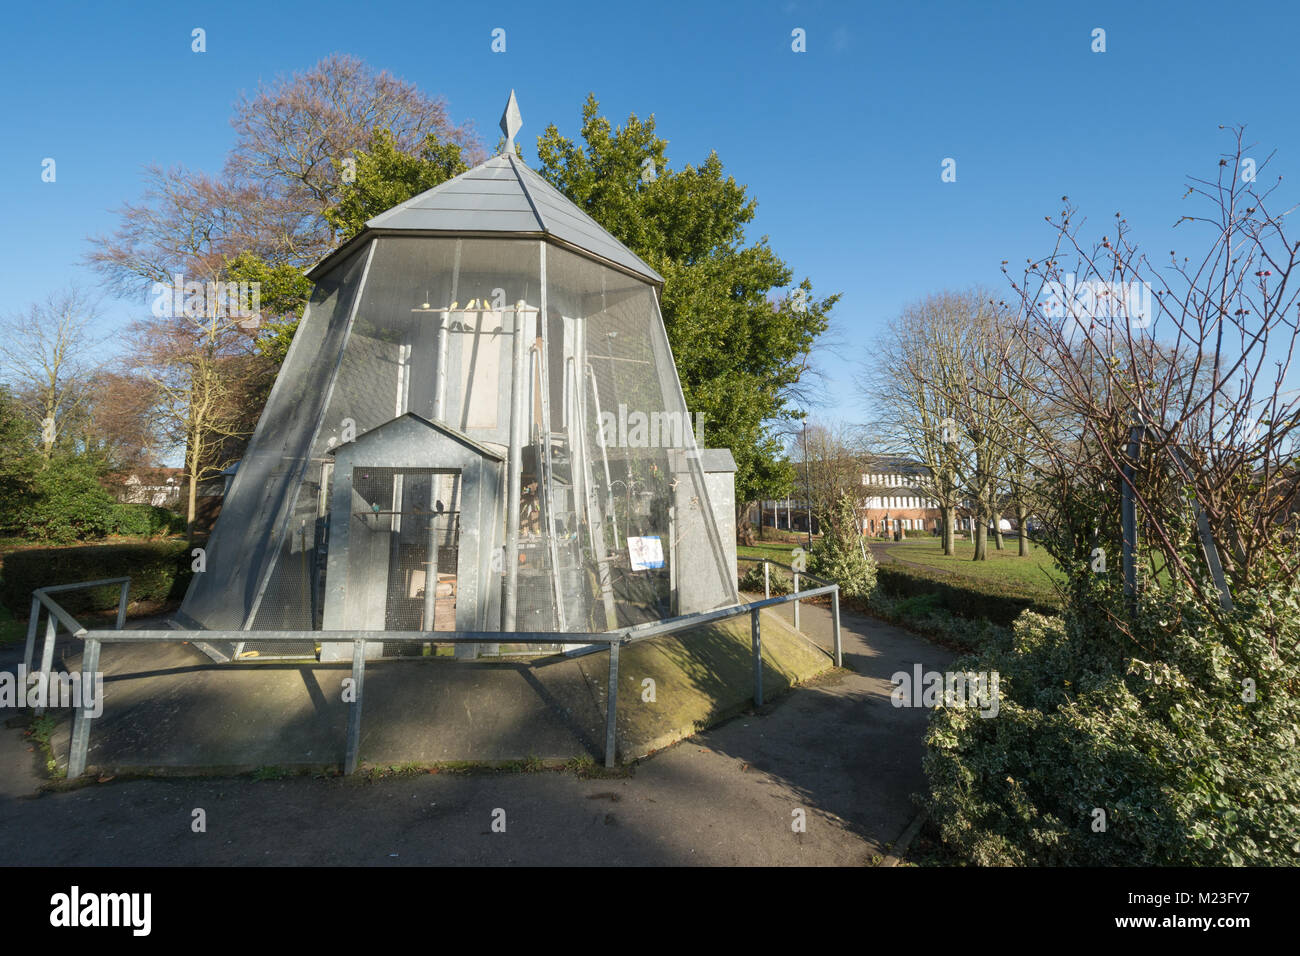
(646, 553)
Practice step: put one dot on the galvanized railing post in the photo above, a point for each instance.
(47, 660)
(84, 714)
(756, 638)
(796, 603)
(835, 626)
(767, 580)
(354, 711)
(121, 605)
(30, 649)
(611, 705)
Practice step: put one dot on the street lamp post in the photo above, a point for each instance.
(807, 481)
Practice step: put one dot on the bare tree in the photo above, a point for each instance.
(827, 464)
(909, 383)
(280, 178)
(200, 371)
(120, 421)
(47, 350)
(1189, 362)
(935, 386)
(293, 135)
(191, 223)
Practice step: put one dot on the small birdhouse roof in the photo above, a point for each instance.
(409, 426)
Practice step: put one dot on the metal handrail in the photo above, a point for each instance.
(767, 593)
(615, 639)
(55, 612)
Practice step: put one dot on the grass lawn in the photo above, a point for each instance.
(1036, 572)
(772, 550)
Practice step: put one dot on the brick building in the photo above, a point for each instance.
(896, 498)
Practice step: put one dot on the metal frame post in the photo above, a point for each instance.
(29, 649)
(354, 709)
(121, 605)
(611, 706)
(431, 550)
(756, 639)
(80, 743)
(1208, 547)
(835, 626)
(47, 659)
(514, 467)
(796, 603)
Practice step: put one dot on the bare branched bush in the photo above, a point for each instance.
(1194, 359)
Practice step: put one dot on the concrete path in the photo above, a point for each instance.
(835, 756)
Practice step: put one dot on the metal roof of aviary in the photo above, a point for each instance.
(500, 197)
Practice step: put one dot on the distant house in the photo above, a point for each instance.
(160, 487)
(897, 499)
(895, 496)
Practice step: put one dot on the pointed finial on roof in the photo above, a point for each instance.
(510, 122)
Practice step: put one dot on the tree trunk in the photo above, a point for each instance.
(981, 540)
(191, 508)
(949, 531)
(745, 534)
(47, 432)
(192, 466)
(1022, 518)
(996, 512)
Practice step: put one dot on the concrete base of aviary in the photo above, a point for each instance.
(169, 709)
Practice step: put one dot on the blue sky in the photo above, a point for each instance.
(841, 146)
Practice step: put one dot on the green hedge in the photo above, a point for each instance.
(1141, 749)
(146, 521)
(159, 571)
(992, 601)
(752, 579)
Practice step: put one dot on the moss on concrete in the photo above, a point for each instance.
(700, 677)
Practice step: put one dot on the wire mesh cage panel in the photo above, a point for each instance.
(251, 562)
(635, 443)
(532, 382)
